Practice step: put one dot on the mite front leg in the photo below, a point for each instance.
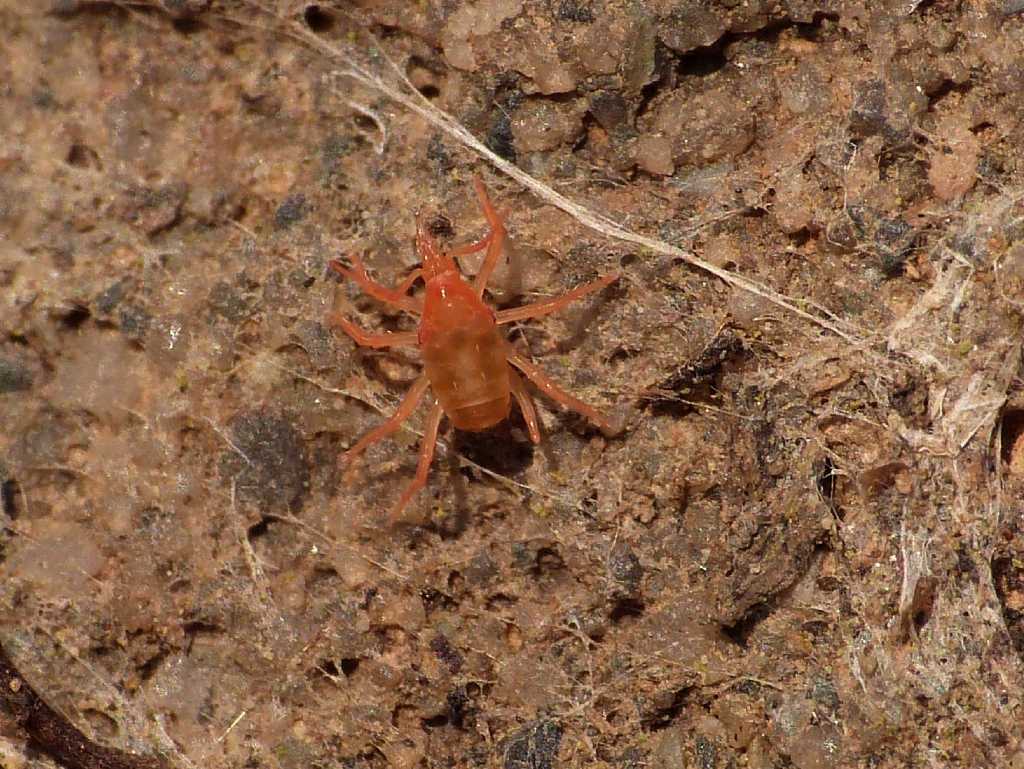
(423, 468)
(494, 240)
(556, 393)
(393, 296)
(548, 306)
(405, 408)
(365, 338)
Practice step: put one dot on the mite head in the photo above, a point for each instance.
(435, 261)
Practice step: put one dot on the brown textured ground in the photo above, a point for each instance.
(802, 552)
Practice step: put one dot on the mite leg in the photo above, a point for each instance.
(556, 393)
(365, 338)
(423, 468)
(394, 296)
(548, 306)
(525, 405)
(471, 248)
(405, 408)
(494, 240)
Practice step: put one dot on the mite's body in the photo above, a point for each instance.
(466, 358)
(464, 355)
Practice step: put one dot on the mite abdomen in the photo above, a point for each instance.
(468, 373)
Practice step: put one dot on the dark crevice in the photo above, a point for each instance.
(548, 561)
(1008, 580)
(72, 8)
(1011, 430)
(499, 601)
(698, 380)
(662, 717)
(446, 653)
(188, 25)
(150, 666)
(328, 668)
(825, 479)
(663, 80)
(317, 19)
(804, 30)
(195, 627)
(924, 604)
(83, 156)
(386, 31)
(945, 88)
(625, 609)
(701, 62)
(434, 599)
(258, 529)
(75, 317)
(9, 496)
(458, 702)
(739, 632)
(440, 226)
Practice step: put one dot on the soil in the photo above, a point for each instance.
(805, 549)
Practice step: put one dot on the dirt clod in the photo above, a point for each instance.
(267, 461)
(534, 746)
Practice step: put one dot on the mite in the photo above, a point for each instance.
(469, 366)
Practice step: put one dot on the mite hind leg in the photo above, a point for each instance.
(556, 393)
(380, 432)
(423, 468)
(525, 405)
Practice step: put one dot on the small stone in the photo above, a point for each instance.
(227, 302)
(867, 117)
(61, 559)
(535, 746)
(654, 155)
(538, 59)
(874, 113)
(540, 124)
(110, 298)
(574, 10)
(134, 321)
(14, 376)
(806, 91)
(704, 128)
(669, 753)
(268, 461)
(472, 21)
(795, 202)
(153, 210)
(500, 137)
(609, 109)
(953, 165)
(482, 569)
(816, 747)
(625, 569)
(291, 211)
(691, 26)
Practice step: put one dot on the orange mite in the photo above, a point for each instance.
(467, 360)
